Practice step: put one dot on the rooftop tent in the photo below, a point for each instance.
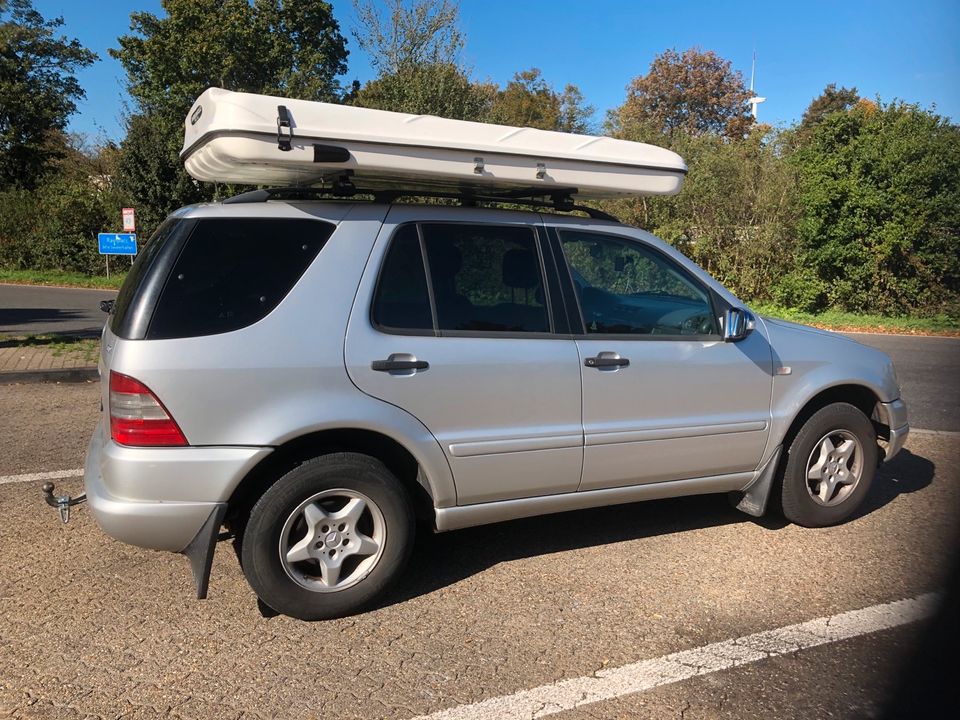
(261, 140)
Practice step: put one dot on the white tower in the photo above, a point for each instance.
(754, 100)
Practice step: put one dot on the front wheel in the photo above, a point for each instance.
(328, 538)
(830, 466)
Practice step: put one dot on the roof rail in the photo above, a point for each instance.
(556, 199)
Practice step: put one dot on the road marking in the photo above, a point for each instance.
(31, 477)
(648, 674)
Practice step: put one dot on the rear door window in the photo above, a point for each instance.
(482, 279)
(486, 278)
(232, 272)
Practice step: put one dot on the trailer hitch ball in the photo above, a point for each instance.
(62, 503)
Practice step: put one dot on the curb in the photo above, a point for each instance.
(81, 374)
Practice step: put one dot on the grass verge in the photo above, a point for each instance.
(856, 322)
(56, 278)
(60, 346)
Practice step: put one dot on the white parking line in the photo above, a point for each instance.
(30, 477)
(648, 674)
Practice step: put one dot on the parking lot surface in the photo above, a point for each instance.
(94, 628)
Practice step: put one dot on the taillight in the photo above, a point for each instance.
(138, 418)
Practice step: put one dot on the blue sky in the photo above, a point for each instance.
(906, 50)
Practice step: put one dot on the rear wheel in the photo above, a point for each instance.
(830, 466)
(328, 538)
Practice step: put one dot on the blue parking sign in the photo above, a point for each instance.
(117, 243)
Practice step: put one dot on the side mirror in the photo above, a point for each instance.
(738, 322)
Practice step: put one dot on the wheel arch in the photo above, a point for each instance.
(862, 397)
(394, 455)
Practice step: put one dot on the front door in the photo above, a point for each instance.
(664, 398)
(454, 323)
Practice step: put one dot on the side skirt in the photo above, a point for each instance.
(454, 518)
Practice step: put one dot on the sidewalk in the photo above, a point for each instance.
(40, 363)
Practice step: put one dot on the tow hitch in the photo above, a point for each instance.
(62, 503)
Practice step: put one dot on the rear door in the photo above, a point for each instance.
(455, 322)
(664, 398)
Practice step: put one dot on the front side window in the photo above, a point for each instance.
(624, 288)
(482, 278)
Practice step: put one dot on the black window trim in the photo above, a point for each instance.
(580, 323)
(549, 301)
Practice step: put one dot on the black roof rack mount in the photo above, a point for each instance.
(555, 198)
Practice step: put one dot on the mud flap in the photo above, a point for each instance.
(201, 548)
(753, 500)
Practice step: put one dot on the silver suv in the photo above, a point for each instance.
(317, 375)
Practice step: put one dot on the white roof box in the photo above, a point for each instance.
(242, 138)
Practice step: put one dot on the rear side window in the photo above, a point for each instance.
(232, 272)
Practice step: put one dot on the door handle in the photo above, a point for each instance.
(399, 361)
(606, 360)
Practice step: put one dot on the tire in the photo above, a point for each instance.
(328, 538)
(823, 487)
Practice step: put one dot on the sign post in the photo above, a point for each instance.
(116, 244)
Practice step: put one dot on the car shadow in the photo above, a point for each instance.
(440, 560)
(13, 320)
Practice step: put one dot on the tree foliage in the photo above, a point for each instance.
(281, 47)
(696, 93)
(735, 214)
(530, 101)
(441, 89)
(880, 191)
(408, 35)
(38, 91)
(829, 101)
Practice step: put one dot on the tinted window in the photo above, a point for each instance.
(486, 278)
(626, 288)
(130, 302)
(233, 272)
(402, 302)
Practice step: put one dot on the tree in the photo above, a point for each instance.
(880, 191)
(415, 48)
(575, 115)
(281, 47)
(530, 101)
(696, 93)
(829, 101)
(440, 89)
(736, 213)
(38, 91)
(409, 35)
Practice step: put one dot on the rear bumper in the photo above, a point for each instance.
(894, 416)
(160, 498)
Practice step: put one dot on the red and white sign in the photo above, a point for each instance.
(129, 220)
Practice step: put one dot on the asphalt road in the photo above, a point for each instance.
(90, 627)
(929, 373)
(30, 310)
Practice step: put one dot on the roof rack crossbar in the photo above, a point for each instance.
(556, 198)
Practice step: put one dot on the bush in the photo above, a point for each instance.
(55, 226)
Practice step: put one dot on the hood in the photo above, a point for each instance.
(789, 325)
